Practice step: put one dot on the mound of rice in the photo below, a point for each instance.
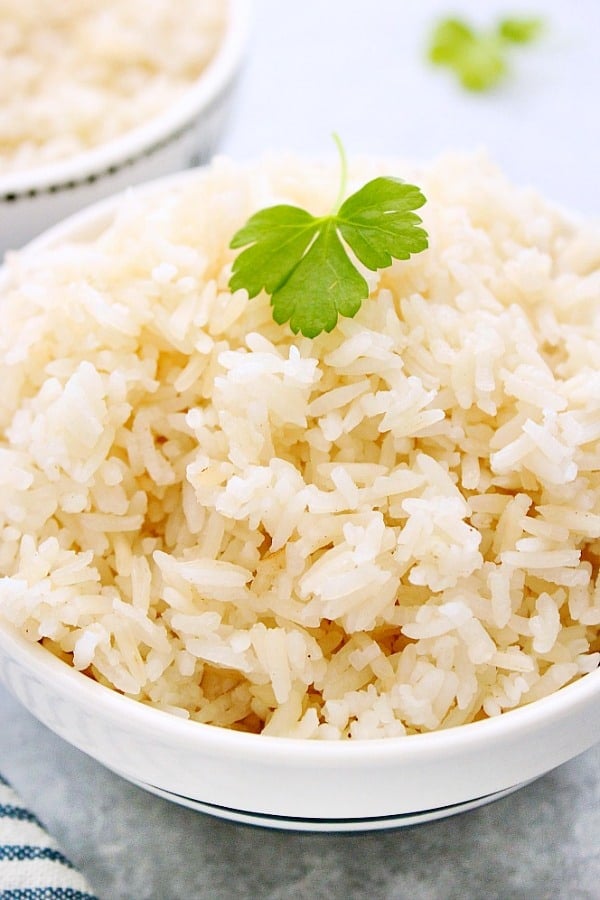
(388, 529)
(76, 73)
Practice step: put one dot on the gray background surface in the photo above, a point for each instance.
(357, 68)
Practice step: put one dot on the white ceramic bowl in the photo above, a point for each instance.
(185, 134)
(286, 783)
(296, 784)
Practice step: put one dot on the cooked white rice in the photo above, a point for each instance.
(385, 530)
(76, 73)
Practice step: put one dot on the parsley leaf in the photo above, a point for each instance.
(479, 58)
(321, 285)
(302, 261)
(520, 31)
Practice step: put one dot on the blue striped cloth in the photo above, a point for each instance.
(32, 866)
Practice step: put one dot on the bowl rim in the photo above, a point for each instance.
(82, 690)
(120, 151)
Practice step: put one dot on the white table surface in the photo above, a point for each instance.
(357, 68)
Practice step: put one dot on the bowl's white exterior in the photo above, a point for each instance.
(185, 134)
(295, 783)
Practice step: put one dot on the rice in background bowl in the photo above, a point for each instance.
(77, 74)
(387, 530)
(96, 98)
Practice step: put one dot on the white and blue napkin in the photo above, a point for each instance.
(32, 866)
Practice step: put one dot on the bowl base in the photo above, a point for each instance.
(294, 823)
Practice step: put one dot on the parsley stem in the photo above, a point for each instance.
(343, 172)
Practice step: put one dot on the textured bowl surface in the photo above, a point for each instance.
(187, 133)
(286, 783)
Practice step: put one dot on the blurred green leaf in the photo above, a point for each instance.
(479, 58)
(520, 31)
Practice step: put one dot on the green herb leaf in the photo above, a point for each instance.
(482, 66)
(520, 31)
(378, 223)
(277, 234)
(302, 261)
(449, 40)
(323, 284)
(479, 59)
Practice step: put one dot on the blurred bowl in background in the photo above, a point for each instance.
(186, 133)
